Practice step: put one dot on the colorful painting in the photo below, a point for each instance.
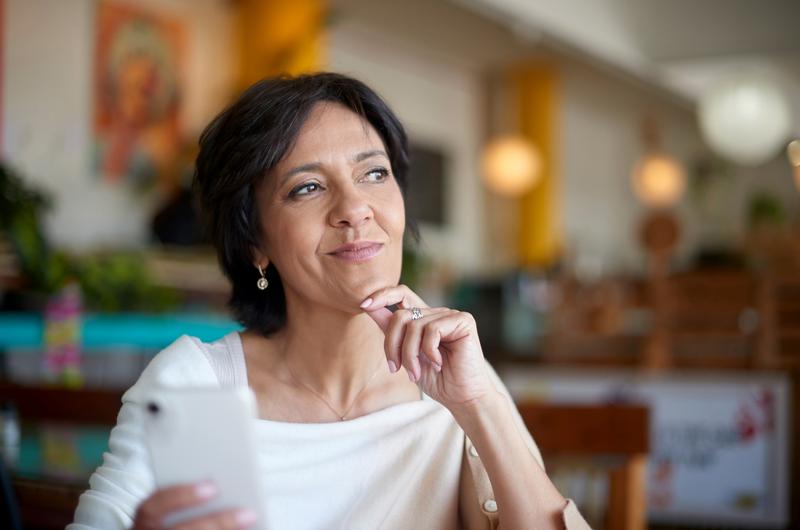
(139, 57)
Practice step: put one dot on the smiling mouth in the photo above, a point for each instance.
(356, 252)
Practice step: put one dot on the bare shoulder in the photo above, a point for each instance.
(261, 356)
(258, 348)
(264, 376)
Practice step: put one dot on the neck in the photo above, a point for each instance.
(333, 352)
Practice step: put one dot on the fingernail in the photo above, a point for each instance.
(366, 303)
(438, 367)
(245, 517)
(205, 490)
(392, 367)
(410, 376)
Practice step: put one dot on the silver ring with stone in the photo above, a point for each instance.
(416, 313)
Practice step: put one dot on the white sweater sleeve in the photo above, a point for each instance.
(518, 421)
(571, 517)
(124, 478)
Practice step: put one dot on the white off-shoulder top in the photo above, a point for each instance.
(406, 466)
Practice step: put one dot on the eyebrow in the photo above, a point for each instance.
(360, 157)
(316, 166)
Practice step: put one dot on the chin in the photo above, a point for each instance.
(367, 286)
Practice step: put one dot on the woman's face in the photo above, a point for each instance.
(332, 213)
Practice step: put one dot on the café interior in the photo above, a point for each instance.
(610, 187)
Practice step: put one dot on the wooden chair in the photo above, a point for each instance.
(49, 503)
(600, 431)
(713, 316)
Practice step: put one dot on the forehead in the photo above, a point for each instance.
(330, 129)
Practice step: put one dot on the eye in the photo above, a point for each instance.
(377, 174)
(304, 189)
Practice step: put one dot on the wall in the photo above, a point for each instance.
(601, 120)
(430, 59)
(47, 91)
(600, 137)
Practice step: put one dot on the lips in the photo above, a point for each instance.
(357, 251)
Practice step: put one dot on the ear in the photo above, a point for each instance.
(260, 260)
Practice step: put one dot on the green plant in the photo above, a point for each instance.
(119, 282)
(109, 282)
(21, 210)
(765, 210)
(414, 265)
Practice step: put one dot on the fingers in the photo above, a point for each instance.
(406, 339)
(223, 520)
(393, 337)
(419, 332)
(402, 330)
(152, 511)
(437, 332)
(431, 341)
(382, 317)
(400, 295)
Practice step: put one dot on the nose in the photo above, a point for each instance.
(350, 209)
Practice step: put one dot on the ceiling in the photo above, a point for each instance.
(681, 45)
(678, 30)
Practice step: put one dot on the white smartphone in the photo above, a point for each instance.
(196, 434)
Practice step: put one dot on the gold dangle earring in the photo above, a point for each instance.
(262, 283)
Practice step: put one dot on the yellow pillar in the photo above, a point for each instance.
(535, 95)
(279, 37)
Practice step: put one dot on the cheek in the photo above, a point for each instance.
(293, 240)
(395, 212)
(398, 223)
(289, 237)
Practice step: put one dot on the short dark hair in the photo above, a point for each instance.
(237, 151)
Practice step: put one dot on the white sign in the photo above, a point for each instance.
(719, 442)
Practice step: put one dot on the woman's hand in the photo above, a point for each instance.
(440, 351)
(152, 511)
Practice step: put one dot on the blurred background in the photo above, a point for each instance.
(609, 186)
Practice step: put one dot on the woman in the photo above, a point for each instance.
(368, 418)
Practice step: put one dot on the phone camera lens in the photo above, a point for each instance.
(153, 408)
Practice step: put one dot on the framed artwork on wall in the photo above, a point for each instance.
(138, 76)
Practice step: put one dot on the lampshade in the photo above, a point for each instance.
(746, 118)
(511, 165)
(658, 180)
(793, 153)
(796, 175)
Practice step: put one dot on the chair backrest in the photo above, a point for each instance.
(588, 429)
(597, 431)
(87, 406)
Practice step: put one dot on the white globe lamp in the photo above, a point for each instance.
(745, 119)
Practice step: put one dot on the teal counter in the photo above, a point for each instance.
(127, 330)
